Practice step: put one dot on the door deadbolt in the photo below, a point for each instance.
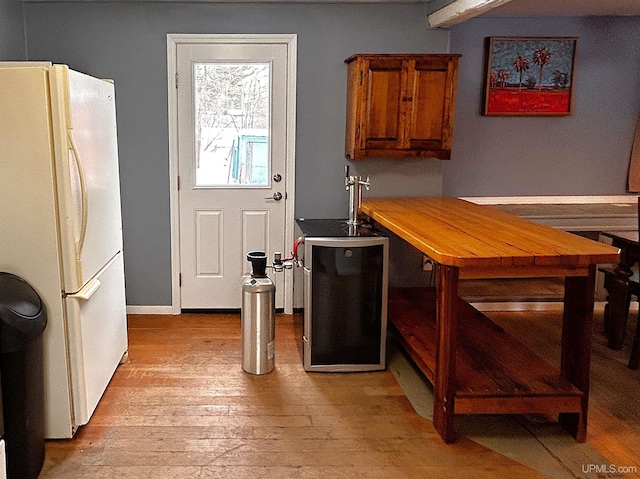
(277, 178)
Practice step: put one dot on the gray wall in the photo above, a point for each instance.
(127, 42)
(583, 154)
(586, 153)
(12, 46)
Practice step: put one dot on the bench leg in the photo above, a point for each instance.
(618, 307)
(634, 362)
(608, 278)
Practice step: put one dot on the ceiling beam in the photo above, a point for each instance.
(460, 10)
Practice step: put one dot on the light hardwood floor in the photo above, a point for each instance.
(183, 408)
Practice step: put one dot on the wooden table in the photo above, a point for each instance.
(475, 366)
(619, 287)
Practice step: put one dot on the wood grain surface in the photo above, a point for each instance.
(459, 233)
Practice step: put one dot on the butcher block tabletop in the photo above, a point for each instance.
(459, 233)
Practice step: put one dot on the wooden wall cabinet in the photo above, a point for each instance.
(400, 105)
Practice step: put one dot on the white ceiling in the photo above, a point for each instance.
(574, 8)
(460, 10)
(496, 7)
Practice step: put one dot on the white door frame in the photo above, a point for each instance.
(290, 40)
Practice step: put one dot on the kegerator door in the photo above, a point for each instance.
(345, 316)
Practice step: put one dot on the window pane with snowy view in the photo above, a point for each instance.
(232, 124)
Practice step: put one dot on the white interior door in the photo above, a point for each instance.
(233, 134)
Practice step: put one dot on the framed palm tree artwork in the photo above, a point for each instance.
(529, 76)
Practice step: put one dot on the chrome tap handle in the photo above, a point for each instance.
(348, 180)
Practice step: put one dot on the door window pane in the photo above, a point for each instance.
(232, 124)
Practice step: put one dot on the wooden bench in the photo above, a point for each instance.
(616, 311)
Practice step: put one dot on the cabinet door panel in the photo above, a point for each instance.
(383, 93)
(427, 109)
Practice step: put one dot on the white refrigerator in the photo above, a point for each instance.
(61, 227)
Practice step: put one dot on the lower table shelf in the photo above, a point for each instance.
(495, 373)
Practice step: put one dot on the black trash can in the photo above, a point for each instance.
(23, 318)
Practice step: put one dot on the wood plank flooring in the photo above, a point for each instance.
(183, 408)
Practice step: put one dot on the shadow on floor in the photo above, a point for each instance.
(534, 441)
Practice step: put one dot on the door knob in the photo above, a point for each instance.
(276, 196)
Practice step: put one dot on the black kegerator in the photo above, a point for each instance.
(345, 296)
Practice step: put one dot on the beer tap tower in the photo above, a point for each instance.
(354, 184)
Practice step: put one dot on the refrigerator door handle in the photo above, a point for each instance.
(83, 195)
(87, 290)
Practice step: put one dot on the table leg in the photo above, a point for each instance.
(577, 330)
(446, 337)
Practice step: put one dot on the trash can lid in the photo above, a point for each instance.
(18, 297)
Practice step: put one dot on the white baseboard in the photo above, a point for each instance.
(480, 306)
(149, 310)
(538, 306)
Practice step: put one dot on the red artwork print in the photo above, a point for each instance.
(508, 100)
(529, 76)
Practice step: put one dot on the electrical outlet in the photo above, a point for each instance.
(427, 264)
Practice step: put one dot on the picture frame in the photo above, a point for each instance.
(529, 76)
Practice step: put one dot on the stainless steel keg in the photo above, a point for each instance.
(258, 318)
